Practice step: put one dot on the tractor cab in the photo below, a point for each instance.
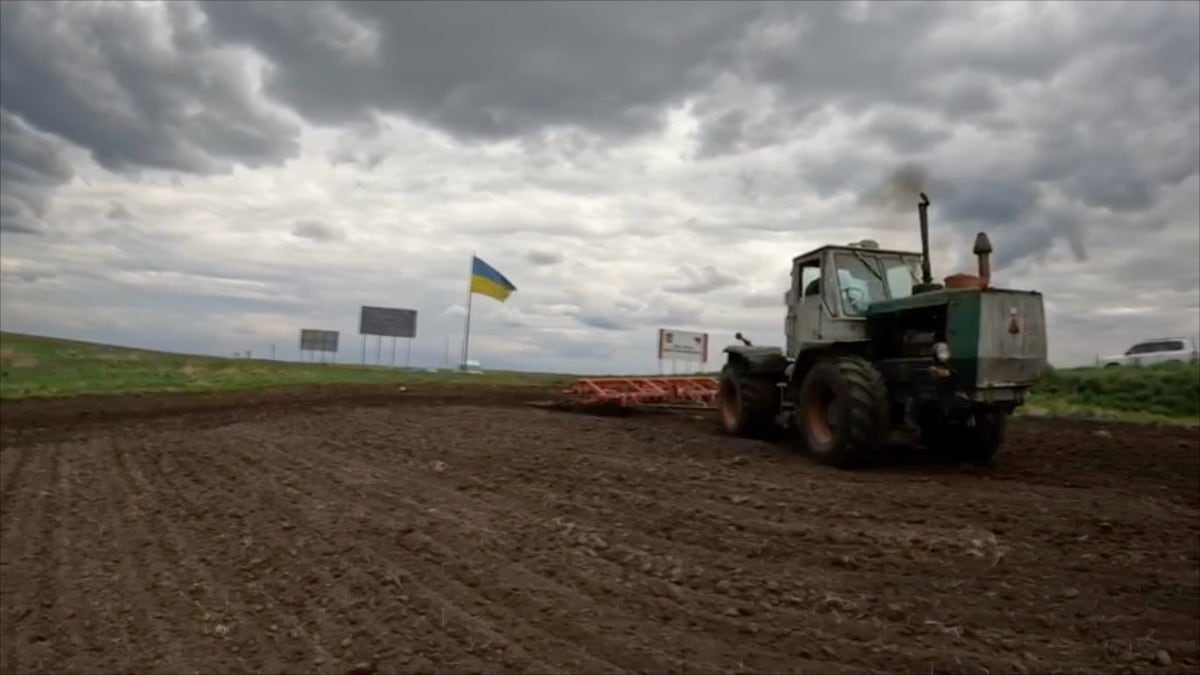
(834, 286)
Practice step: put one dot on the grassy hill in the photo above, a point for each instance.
(1166, 392)
(33, 366)
(45, 367)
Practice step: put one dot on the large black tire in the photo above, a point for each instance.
(842, 412)
(748, 403)
(976, 437)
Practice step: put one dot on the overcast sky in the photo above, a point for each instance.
(213, 177)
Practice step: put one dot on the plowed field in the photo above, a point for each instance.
(456, 531)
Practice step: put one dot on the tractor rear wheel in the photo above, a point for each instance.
(842, 413)
(748, 403)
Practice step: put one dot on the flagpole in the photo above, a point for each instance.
(467, 331)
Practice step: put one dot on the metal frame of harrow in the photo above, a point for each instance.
(627, 392)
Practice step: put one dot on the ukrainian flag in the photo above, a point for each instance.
(485, 280)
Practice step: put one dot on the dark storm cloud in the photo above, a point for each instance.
(998, 202)
(827, 177)
(763, 299)
(723, 135)
(700, 280)
(32, 166)
(137, 87)
(544, 257)
(359, 145)
(1172, 273)
(817, 56)
(1051, 85)
(905, 137)
(1007, 208)
(486, 69)
(317, 231)
(491, 70)
(1045, 124)
(119, 212)
(1125, 171)
(601, 321)
(964, 100)
(367, 160)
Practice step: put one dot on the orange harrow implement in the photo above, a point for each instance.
(627, 392)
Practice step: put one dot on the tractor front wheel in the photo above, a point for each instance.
(748, 403)
(975, 437)
(982, 435)
(842, 413)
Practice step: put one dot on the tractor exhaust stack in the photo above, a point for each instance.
(926, 284)
(922, 210)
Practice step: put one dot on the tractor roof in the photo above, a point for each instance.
(861, 249)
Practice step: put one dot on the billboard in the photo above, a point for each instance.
(318, 340)
(388, 322)
(681, 345)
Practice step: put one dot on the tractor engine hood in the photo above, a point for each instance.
(997, 337)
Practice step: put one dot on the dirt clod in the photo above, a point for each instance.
(416, 541)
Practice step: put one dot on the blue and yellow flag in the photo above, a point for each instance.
(485, 280)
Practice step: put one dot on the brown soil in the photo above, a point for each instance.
(455, 530)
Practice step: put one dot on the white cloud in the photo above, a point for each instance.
(683, 214)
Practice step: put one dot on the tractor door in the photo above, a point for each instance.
(804, 312)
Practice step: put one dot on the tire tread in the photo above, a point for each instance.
(866, 412)
(757, 398)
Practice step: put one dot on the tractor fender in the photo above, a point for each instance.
(808, 358)
(758, 360)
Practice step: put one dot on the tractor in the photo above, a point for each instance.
(874, 345)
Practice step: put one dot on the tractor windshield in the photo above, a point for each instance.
(864, 279)
(902, 274)
(859, 282)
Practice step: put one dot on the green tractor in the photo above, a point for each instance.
(874, 345)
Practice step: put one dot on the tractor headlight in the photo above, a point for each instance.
(941, 351)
